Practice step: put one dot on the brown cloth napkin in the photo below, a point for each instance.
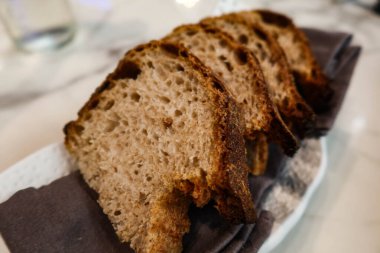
(64, 216)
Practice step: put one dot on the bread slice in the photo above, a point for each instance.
(295, 111)
(243, 77)
(310, 79)
(159, 133)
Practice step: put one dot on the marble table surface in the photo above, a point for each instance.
(40, 92)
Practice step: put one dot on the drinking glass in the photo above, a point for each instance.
(37, 25)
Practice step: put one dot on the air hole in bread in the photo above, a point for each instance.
(222, 57)
(194, 115)
(127, 70)
(142, 197)
(196, 161)
(125, 95)
(145, 132)
(210, 30)
(164, 153)
(168, 83)
(167, 122)
(188, 87)
(260, 33)
(223, 43)
(136, 172)
(184, 54)
(150, 65)
(181, 124)
(272, 18)
(164, 99)
(148, 178)
(109, 105)
(89, 141)
(135, 97)
(170, 49)
(259, 45)
(139, 48)
(180, 68)
(110, 125)
(241, 56)
(107, 85)
(228, 65)
(263, 55)
(211, 48)
(218, 86)
(117, 213)
(179, 80)
(93, 104)
(124, 122)
(191, 32)
(78, 129)
(243, 39)
(178, 113)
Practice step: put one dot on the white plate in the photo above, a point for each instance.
(53, 162)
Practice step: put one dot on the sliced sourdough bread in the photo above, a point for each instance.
(159, 133)
(295, 111)
(243, 77)
(310, 79)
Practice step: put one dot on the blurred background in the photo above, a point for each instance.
(44, 82)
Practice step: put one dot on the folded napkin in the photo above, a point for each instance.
(65, 217)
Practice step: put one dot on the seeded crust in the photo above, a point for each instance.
(225, 181)
(312, 83)
(297, 114)
(243, 77)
